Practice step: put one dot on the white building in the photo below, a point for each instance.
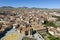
(52, 30)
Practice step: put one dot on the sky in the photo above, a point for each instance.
(31, 3)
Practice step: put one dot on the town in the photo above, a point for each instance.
(29, 23)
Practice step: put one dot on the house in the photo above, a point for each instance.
(52, 30)
(58, 29)
(52, 19)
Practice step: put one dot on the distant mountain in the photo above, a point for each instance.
(22, 7)
(6, 7)
(9, 8)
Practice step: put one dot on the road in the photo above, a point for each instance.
(38, 36)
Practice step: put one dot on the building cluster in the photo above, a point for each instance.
(25, 21)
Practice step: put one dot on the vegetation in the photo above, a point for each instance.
(52, 37)
(26, 38)
(58, 18)
(50, 24)
(48, 36)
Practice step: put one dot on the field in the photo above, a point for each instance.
(12, 37)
